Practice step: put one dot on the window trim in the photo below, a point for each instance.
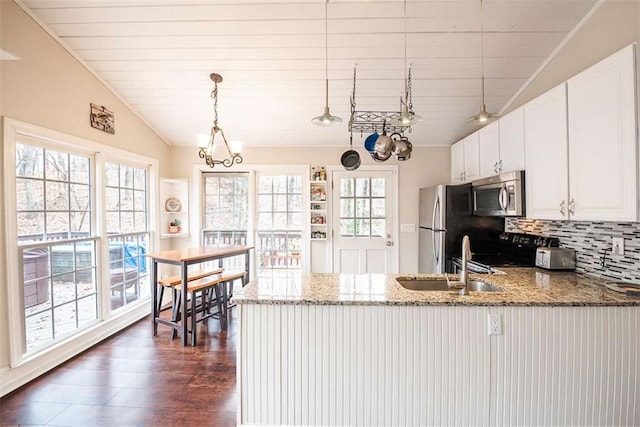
(34, 365)
(153, 198)
(197, 191)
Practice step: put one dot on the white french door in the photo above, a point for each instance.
(364, 221)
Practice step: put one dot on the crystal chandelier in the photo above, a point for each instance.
(206, 146)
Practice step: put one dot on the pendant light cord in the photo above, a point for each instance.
(406, 90)
(326, 54)
(482, 50)
(405, 46)
(214, 95)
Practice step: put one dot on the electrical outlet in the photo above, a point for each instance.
(618, 246)
(495, 324)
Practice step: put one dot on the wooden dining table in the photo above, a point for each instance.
(184, 258)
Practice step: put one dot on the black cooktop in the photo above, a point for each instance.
(502, 260)
(515, 250)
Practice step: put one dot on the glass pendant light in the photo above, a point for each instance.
(326, 119)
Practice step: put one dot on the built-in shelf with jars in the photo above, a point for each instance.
(318, 204)
(174, 207)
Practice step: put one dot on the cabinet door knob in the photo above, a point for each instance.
(495, 167)
(572, 207)
(562, 208)
(500, 166)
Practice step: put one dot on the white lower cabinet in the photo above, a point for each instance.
(437, 365)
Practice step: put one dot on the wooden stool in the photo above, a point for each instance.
(216, 283)
(172, 281)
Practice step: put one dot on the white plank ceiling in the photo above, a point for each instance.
(158, 54)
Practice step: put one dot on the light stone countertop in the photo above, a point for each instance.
(522, 287)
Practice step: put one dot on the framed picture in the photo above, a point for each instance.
(102, 119)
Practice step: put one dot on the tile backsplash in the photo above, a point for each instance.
(590, 239)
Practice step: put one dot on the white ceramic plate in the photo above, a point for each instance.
(173, 205)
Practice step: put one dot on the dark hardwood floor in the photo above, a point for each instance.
(134, 379)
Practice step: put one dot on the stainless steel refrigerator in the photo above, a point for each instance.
(445, 217)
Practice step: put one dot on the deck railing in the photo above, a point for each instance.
(275, 249)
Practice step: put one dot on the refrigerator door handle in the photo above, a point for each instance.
(437, 230)
(436, 208)
(433, 217)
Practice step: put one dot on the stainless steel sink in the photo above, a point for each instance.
(480, 286)
(417, 284)
(441, 284)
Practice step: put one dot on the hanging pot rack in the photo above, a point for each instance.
(369, 121)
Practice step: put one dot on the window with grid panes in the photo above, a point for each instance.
(226, 212)
(280, 222)
(362, 207)
(56, 239)
(127, 228)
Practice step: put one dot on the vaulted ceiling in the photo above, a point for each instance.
(157, 56)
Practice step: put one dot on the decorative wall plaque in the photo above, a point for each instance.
(102, 119)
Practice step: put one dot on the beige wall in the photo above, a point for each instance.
(427, 167)
(614, 25)
(49, 88)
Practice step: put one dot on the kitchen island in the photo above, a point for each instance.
(334, 349)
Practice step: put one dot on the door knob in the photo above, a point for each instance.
(389, 243)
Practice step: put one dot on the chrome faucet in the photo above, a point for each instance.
(466, 257)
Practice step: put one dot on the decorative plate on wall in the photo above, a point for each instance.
(173, 205)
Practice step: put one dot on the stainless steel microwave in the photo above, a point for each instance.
(499, 195)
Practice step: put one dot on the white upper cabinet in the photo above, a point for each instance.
(603, 176)
(489, 143)
(581, 148)
(502, 145)
(465, 159)
(546, 176)
(511, 131)
(457, 162)
(471, 157)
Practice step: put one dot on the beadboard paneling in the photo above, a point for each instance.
(385, 365)
(566, 366)
(359, 365)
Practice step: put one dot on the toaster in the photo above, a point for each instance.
(556, 258)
